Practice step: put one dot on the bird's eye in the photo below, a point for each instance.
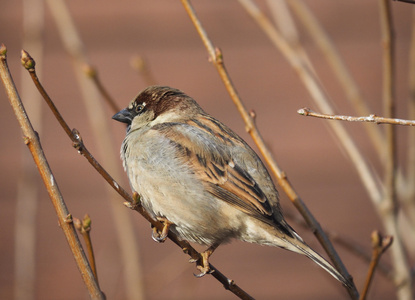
(139, 108)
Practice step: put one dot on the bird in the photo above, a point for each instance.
(200, 179)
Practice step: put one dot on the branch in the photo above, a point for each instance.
(372, 118)
(340, 70)
(388, 208)
(216, 58)
(131, 202)
(31, 139)
(84, 228)
(407, 199)
(380, 244)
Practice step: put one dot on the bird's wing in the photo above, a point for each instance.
(205, 144)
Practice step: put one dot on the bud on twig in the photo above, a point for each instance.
(27, 61)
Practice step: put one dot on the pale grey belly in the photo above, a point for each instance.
(169, 189)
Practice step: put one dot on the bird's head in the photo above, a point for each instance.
(157, 104)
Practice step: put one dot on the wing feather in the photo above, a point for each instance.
(204, 145)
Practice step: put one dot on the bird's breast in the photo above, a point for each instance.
(169, 188)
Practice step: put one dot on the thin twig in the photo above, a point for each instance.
(389, 208)
(84, 228)
(353, 247)
(131, 202)
(372, 118)
(74, 134)
(31, 139)
(379, 244)
(216, 58)
(338, 66)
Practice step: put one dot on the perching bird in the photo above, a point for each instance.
(201, 179)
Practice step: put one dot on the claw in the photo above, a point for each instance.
(161, 236)
(203, 271)
(157, 236)
(200, 275)
(203, 261)
(192, 260)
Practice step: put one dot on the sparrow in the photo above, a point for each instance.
(200, 179)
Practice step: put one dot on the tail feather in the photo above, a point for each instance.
(295, 243)
(303, 248)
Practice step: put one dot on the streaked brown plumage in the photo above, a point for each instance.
(202, 179)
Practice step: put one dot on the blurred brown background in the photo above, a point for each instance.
(114, 32)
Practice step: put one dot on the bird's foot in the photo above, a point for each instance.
(202, 264)
(161, 236)
(203, 271)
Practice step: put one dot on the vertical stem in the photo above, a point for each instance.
(379, 244)
(91, 255)
(409, 195)
(388, 105)
(388, 207)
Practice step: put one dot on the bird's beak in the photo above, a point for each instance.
(123, 116)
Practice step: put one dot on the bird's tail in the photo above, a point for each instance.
(299, 246)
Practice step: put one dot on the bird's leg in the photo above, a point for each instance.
(161, 236)
(203, 261)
